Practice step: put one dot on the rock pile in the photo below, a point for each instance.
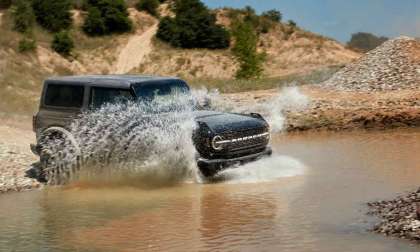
(399, 216)
(394, 65)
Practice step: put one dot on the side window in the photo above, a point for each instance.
(64, 96)
(101, 96)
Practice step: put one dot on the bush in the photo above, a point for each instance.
(150, 6)
(273, 15)
(62, 43)
(292, 23)
(193, 27)
(94, 23)
(365, 41)
(106, 17)
(23, 16)
(53, 15)
(245, 50)
(27, 45)
(4, 4)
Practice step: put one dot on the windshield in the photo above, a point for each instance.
(160, 89)
(164, 95)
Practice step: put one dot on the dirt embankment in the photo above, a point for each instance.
(343, 110)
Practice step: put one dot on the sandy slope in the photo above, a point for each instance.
(137, 47)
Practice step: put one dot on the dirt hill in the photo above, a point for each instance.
(289, 51)
(394, 65)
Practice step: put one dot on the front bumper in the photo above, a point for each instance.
(210, 167)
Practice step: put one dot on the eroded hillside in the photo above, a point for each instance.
(289, 51)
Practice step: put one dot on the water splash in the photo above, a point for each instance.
(150, 143)
(263, 170)
(273, 108)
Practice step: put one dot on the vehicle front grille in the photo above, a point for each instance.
(245, 139)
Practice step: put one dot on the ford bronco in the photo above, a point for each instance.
(221, 139)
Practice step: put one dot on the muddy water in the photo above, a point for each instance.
(308, 197)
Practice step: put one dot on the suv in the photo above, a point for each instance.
(221, 139)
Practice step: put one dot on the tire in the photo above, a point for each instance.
(59, 156)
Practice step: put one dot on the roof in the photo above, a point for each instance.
(119, 81)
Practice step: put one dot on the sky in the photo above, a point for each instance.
(338, 19)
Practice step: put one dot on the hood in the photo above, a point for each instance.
(221, 122)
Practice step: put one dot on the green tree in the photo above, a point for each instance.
(150, 6)
(23, 16)
(365, 41)
(245, 50)
(62, 43)
(53, 15)
(193, 27)
(106, 17)
(273, 15)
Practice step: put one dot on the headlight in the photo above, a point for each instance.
(216, 143)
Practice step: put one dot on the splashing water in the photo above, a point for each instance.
(135, 143)
(263, 170)
(286, 99)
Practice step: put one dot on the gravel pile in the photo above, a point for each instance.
(399, 217)
(394, 65)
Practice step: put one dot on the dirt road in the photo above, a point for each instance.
(135, 50)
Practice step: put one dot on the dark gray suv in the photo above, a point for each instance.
(221, 139)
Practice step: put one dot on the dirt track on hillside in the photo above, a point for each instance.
(137, 47)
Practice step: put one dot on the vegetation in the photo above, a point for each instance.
(364, 41)
(26, 45)
(245, 50)
(106, 17)
(23, 16)
(273, 15)
(193, 27)
(292, 23)
(53, 15)
(242, 85)
(62, 43)
(150, 6)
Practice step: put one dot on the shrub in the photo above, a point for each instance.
(365, 41)
(245, 50)
(23, 16)
(94, 23)
(150, 6)
(53, 15)
(62, 43)
(273, 15)
(106, 17)
(26, 45)
(193, 27)
(292, 23)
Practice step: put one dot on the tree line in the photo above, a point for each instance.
(193, 26)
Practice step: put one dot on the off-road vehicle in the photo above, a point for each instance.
(221, 139)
